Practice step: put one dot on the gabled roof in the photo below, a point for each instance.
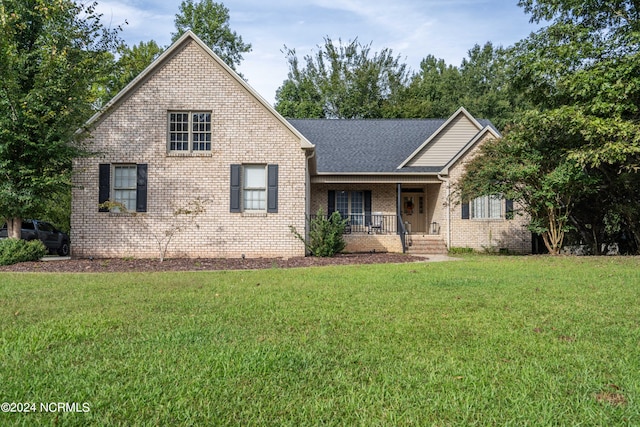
(461, 111)
(377, 146)
(479, 136)
(166, 56)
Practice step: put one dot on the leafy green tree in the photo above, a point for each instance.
(130, 63)
(485, 89)
(340, 81)
(588, 62)
(588, 58)
(51, 52)
(434, 91)
(530, 166)
(581, 77)
(210, 21)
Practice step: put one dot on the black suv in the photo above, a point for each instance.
(55, 240)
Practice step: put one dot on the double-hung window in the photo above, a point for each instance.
(123, 184)
(189, 131)
(487, 207)
(254, 188)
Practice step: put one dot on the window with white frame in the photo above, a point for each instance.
(487, 207)
(254, 188)
(189, 131)
(351, 204)
(125, 185)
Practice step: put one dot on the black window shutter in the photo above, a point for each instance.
(508, 212)
(141, 188)
(235, 188)
(104, 185)
(367, 207)
(465, 210)
(331, 208)
(272, 188)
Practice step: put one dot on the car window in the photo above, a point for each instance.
(28, 225)
(43, 226)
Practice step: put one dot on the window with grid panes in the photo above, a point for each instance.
(254, 189)
(189, 131)
(124, 186)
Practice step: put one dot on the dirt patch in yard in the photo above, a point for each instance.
(185, 264)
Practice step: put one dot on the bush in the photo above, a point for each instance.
(455, 250)
(13, 251)
(325, 234)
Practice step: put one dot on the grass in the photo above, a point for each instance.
(486, 341)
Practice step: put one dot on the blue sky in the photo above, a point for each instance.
(413, 29)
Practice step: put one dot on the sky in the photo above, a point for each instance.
(412, 29)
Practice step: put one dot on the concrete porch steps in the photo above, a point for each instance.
(426, 244)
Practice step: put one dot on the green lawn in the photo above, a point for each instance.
(485, 341)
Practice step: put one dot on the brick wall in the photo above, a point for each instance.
(243, 131)
(483, 234)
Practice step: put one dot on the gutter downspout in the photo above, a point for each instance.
(307, 202)
(446, 181)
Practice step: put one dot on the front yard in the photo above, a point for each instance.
(484, 341)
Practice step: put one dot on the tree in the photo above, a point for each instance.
(130, 63)
(50, 55)
(434, 91)
(581, 77)
(479, 84)
(340, 81)
(210, 21)
(530, 166)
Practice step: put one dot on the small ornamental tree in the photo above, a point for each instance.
(530, 166)
(325, 234)
(181, 218)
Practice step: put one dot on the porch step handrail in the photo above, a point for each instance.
(403, 233)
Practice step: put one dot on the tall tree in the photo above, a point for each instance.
(50, 55)
(131, 62)
(340, 81)
(530, 167)
(582, 73)
(210, 21)
(434, 91)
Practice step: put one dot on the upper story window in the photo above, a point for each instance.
(189, 131)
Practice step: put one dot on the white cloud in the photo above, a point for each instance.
(413, 29)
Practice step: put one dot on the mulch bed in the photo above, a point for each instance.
(184, 264)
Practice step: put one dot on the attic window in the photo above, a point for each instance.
(189, 131)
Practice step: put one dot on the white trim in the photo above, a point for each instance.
(460, 111)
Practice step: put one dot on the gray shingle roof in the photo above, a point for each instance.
(368, 145)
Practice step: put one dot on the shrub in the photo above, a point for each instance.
(13, 251)
(325, 234)
(455, 250)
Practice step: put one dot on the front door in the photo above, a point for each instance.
(413, 211)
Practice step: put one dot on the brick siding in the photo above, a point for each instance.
(243, 131)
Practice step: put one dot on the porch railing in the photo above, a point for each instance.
(371, 224)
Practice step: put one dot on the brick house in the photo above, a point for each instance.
(189, 128)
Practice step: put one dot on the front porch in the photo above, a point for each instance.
(386, 217)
